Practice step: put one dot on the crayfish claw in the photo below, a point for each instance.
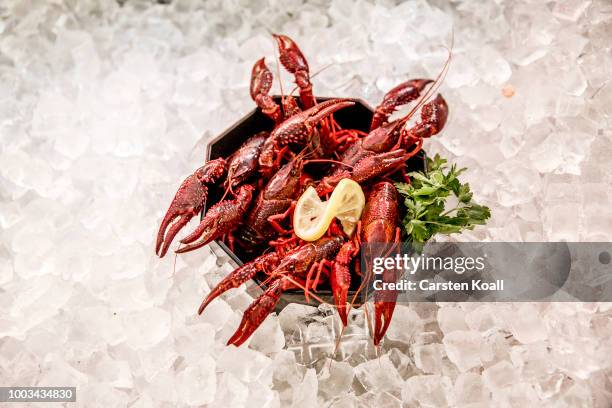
(293, 60)
(187, 203)
(163, 242)
(204, 230)
(261, 83)
(290, 54)
(324, 109)
(402, 94)
(240, 276)
(433, 119)
(221, 219)
(261, 79)
(257, 312)
(340, 278)
(378, 165)
(383, 312)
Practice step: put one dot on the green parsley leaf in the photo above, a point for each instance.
(426, 199)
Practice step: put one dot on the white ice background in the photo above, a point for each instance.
(104, 109)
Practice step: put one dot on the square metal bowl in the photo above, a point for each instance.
(358, 116)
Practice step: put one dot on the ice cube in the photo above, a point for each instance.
(469, 389)
(197, 383)
(451, 318)
(493, 66)
(305, 395)
(527, 324)
(245, 364)
(428, 357)
(462, 72)
(570, 10)
(115, 372)
(427, 391)
(146, 328)
(269, 337)
(464, 348)
(379, 375)
(499, 375)
(404, 325)
(335, 378)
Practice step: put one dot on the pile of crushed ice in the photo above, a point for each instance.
(105, 108)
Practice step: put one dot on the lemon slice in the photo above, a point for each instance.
(308, 218)
(312, 216)
(349, 200)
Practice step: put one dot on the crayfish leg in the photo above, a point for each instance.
(276, 219)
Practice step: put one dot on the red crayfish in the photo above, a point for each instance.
(266, 175)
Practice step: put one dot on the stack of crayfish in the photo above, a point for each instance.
(267, 174)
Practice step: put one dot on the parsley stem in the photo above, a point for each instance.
(449, 211)
(433, 222)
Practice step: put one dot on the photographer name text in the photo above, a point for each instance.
(429, 286)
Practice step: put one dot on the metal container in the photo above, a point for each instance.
(358, 116)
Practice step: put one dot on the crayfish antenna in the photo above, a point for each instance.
(339, 339)
(174, 264)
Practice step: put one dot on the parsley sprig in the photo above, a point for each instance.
(426, 199)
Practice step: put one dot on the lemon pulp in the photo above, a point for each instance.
(312, 216)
